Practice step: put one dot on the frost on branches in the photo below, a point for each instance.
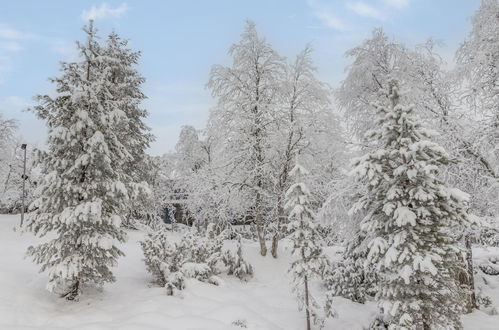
(86, 187)
(309, 262)
(410, 214)
(194, 256)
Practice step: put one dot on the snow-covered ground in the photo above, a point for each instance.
(264, 303)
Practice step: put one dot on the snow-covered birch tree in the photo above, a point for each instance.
(247, 94)
(304, 98)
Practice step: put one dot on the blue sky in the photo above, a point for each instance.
(180, 40)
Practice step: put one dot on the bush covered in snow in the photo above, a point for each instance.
(194, 256)
(236, 263)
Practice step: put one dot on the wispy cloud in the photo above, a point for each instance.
(10, 46)
(366, 10)
(10, 42)
(104, 11)
(397, 3)
(9, 33)
(330, 20)
(326, 15)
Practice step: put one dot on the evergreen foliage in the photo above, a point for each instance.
(86, 186)
(309, 260)
(410, 216)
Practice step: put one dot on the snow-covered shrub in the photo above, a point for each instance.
(194, 256)
(158, 256)
(487, 235)
(200, 271)
(329, 235)
(491, 267)
(240, 323)
(236, 263)
(349, 278)
(171, 263)
(379, 323)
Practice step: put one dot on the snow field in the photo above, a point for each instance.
(132, 303)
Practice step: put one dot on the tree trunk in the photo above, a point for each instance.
(275, 244)
(259, 224)
(275, 238)
(73, 292)
(470, 278)
(307, 304)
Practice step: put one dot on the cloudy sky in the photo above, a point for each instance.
(180, 40)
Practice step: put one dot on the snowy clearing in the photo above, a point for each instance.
(264, 303)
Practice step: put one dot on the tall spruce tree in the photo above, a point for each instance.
(410, 214)
(125, 86)
(310, 261)
(86, 185)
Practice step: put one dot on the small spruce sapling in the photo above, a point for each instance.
(236, 264)
(309, 260)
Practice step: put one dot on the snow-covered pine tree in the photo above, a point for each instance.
(125, 86)
(310, 260)
(410, 215)
(86, 186)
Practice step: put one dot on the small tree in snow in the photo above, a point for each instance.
(350, 278)
(309, 260)
(410, 214)
(236, 263)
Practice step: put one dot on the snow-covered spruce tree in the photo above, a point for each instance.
(310, 261)
(349, 278)
(125, 86)
(86, 186)
(236, 263)
(410, 215)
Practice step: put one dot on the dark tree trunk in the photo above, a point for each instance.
(73, 292)
(307, 304)
(470, 278)
(275, 238)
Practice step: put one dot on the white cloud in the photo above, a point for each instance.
(10, 46)
(326, 15)
(12, 34)
(363, 9)
(104, 11)
(10, 42)
(397, 3)
(330, 20)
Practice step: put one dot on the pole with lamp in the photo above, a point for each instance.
(24, 177)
